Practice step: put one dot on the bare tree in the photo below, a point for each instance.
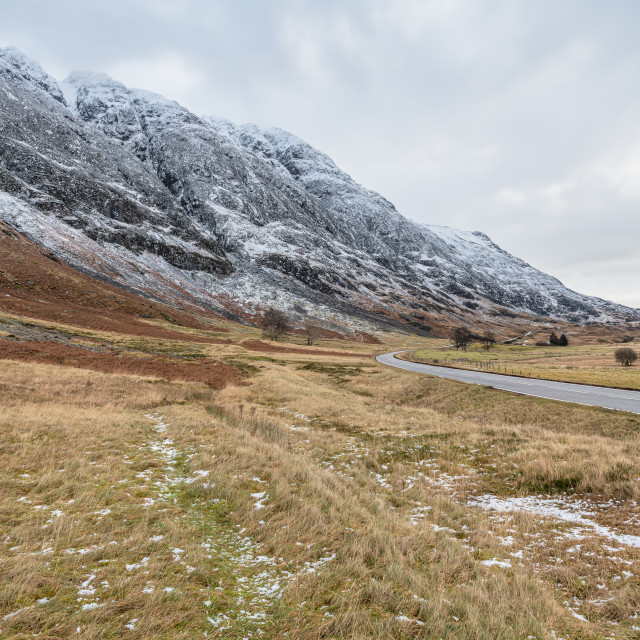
(461, 337)
(488, 340)
(626, 356)
(312, 332)
(274, 324)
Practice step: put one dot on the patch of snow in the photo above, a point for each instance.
(131, 624)
(494, 562)
(137, 565)
(555, 508)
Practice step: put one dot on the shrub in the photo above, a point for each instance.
(461, 337)
(312, 333)
(274, 324)
(626, 356)
(556, 341)
(488, 340)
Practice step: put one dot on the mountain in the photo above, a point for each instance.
(136, 190)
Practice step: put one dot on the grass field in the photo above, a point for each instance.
(234, 489)
(588, 364)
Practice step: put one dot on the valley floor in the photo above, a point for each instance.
(304, 492)
(592, 364)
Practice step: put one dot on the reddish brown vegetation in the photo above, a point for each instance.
(367, 338)
(35, 283)
(270, 347)
(356, 336)
(215, 375)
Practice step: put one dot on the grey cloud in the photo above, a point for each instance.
(518, 118)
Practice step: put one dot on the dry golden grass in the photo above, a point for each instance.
(327, 498)
(587, 363)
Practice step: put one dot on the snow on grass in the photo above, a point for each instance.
(8, 616)
(253, 583)
(494, 562)
(312, 567)
(201, 473)
(574, 513)
(249, 582)
(418, 513)
(379, 478)
(261, 498)
(404, 618)
(137, 565)
(85, 588)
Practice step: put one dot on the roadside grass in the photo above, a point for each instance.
(587, 364)
(544, 445)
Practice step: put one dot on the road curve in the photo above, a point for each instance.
(618, 399)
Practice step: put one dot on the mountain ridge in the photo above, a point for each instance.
(136, 188)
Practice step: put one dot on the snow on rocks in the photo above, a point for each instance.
(296, 229)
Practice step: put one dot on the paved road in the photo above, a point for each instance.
(564, 391)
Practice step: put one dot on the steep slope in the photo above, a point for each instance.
(34, 283)
(81, 195)
(466, 267)
(135, 188)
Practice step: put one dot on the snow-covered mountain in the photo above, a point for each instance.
(132, 187)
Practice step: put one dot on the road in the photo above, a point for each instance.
(593, 396)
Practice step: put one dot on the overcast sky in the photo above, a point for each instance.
(519, 118)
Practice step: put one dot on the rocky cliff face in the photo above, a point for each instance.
(135, 188)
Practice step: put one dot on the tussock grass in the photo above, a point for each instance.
(324, 498)
(86, 496)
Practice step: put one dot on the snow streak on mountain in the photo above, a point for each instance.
(133, 188)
